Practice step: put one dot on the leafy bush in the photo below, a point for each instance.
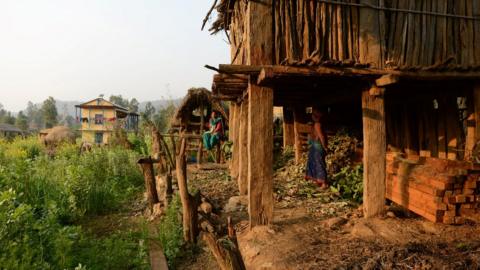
(349, 183)
(341, 152)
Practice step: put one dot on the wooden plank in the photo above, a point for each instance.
(242, 150)
(288, 129)
(374, 153)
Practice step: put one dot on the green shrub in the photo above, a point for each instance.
(349, 183)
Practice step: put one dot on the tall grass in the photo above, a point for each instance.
(42, 198)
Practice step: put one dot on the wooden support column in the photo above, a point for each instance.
(260, 155)
(148, 175)
(476, 106)
(259, 44)
(235, 111)
(189, 206)
(243, 149)
(288, 129)
(374, 152)
(200, 143)
(298, 120)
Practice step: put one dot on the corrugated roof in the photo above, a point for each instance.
(10, 128)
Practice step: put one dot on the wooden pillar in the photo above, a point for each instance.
(235, 111)
(189, 207)
(476, 106)
(200, 143)
(259, 47)
(374, 152)
(148, 175)
(260, 155)
(288, 129)
(299, 119)
(243, 149)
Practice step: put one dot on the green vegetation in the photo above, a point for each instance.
(43, 199)
(349, 183)
(170, 233)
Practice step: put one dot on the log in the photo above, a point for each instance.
(189, 207)
(374, 153)
(243, 149)
(148, 175)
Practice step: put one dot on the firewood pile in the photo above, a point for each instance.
(439, 190)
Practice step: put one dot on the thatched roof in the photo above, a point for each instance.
(9, 128)
(414, 36)
(192, 101)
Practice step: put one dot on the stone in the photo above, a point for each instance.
(335, 222)
(361, 230)
(391, 214)
(236, 203)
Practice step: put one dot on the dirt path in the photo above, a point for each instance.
(315, 229)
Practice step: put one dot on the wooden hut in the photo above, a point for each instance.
(10, 131)
(406, 72)
(191, 117)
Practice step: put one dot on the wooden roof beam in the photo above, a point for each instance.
(272, 72)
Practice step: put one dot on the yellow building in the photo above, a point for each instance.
(99, 117)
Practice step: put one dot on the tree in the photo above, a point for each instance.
(119, 100)
(22, 121)
(149, 111)
(133, 105)
(49, 111)
(34, 116)
(162, 119)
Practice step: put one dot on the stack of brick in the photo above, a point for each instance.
(439, 190)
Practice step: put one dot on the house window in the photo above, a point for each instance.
(98, 119)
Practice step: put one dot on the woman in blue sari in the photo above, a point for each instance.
(213, 136)
(316, 165)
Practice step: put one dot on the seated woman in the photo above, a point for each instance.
(316, 165)
(213, 136)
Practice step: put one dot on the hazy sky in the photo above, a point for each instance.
(78, 49)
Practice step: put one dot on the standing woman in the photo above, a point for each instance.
(316, 165)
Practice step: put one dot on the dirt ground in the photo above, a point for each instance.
(315, 229)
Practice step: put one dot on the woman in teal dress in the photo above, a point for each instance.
(213, 136)
(316, 166)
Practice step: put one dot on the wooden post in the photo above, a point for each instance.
(298, 116)
(259, 51)
(148, 175)
(243, 149)
(374, 152)
(200, 144)
(234, 137)
(476, 106)
(189, 207)
(288, 129)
